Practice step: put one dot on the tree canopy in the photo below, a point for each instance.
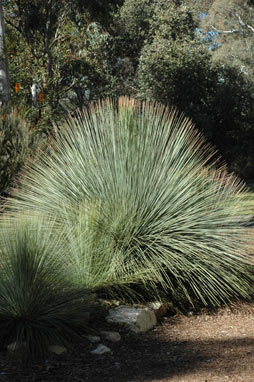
(196, 55)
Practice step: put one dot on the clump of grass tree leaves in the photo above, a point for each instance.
(144, 208)
(38, 305)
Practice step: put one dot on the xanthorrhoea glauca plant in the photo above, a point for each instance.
(156, 211)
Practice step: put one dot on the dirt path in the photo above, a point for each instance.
(202, 348)
(214, 347)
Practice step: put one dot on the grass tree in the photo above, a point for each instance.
(156, 210)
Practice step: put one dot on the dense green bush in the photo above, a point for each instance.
(17, 144)
(151, 201)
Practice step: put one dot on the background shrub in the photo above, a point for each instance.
(18, 143)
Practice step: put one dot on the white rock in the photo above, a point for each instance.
(158, 307)
(15, 347)
(101, 349)
(57, 349)
(136, 319)
(93, 339)
(111, 336)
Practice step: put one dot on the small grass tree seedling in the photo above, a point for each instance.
(38, 306)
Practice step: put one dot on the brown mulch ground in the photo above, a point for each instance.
(206, 347)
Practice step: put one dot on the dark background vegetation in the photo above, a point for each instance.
(195, 55)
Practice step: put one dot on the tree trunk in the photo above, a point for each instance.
(4, 75)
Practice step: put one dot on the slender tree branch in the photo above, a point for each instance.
(240, 20)
(250, 27)
(243, 24)
(60, 24)
(226, 32)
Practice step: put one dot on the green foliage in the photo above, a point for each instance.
(38, 306)
(81, 51)
(140, 21)
(155, 203)
(232, 126)
(17, 145)
(95, 261)
(174, 20)
(176, 68)
(68, 53)
(177, 73)
(134, 21)
(218, 100)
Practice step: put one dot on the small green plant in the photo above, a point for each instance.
(38, 305)
(160, 212)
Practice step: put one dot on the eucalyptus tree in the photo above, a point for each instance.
(54, 40)
(233, 23)
(38, 25)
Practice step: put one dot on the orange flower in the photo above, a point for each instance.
(41, 98)
(2, 117)
(17, 87)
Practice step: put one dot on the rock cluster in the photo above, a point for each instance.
(138, 319)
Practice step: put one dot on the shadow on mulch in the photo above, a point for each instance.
(136, 358)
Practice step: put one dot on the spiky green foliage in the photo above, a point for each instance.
(38, 306)
(94, 260)
(156, 196)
